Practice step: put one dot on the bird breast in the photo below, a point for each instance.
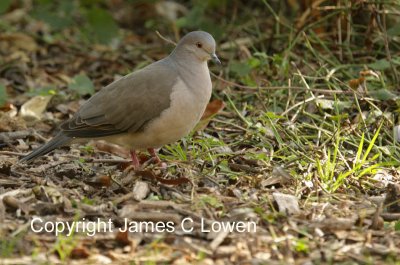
(186, 108)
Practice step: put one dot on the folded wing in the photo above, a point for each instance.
(125, 105)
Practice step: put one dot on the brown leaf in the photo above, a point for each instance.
(122, 238)
(11, 202)
(18, 41)
(111, 148)
(213, 108)
(79, 253)
(100, 181)
(150, 175)
(355, 83)
(14, 204)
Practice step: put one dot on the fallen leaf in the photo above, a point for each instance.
(212, 109)
(110, 148)
(3, 96)
(122, 238)
(19, 41)
(150, 175)
(79, 253)
(82, 85)
(140, 190)
(33, 109)
(287, 204)
(100, 181)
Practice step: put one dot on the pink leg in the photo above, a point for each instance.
(135, 159)
(154, 155)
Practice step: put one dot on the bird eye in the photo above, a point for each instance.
(199, 45)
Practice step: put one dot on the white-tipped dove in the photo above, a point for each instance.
(149, 108)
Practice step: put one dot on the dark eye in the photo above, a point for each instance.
(199, 45)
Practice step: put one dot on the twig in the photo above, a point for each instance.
(339, 25)
(7, 136)
(218, 239)
(382, 27)
(94, 160)
(389, 217)
(301, 103)
(165, 39)
(325, 91)
(153, 217)
(12, 153)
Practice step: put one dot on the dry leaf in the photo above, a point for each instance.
(212, 109)
(141, 190)
(100, 181)
(79, 253)
(18, 41)
(150, 175)
(33, 109)
(287, 204)
(110, 148)
(122, 238)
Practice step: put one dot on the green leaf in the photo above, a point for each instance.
(4, 5)
(57, 17)
(193, 19)
(3, 95)
(325, 103)
(241, 69)
(101, 26)
(382, 64)
(394, 31)
(82, 85)
(397, 226)
(43, 91)
(272, 115)
(211, 201)
(383, 94)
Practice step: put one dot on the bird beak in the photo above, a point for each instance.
(215, 59)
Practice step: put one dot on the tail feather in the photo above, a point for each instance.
(59, 140)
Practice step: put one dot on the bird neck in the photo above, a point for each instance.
(186, 58)
(188, 65)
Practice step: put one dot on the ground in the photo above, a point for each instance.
(300, 140)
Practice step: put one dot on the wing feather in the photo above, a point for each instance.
(125, 105)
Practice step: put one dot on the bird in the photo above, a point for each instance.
(149, 108)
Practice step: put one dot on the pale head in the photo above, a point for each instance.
(199, 45)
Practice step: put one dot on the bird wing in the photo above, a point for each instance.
(125, 105)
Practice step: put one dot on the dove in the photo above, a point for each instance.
(149, 108)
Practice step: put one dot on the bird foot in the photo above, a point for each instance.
(154, 155)
(154, 158)
(135, 160)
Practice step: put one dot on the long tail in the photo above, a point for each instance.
(59, 140)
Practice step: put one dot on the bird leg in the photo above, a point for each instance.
(135, 159)
(154, 155)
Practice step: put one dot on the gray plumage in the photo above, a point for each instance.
(148, 96)
(137, 110)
